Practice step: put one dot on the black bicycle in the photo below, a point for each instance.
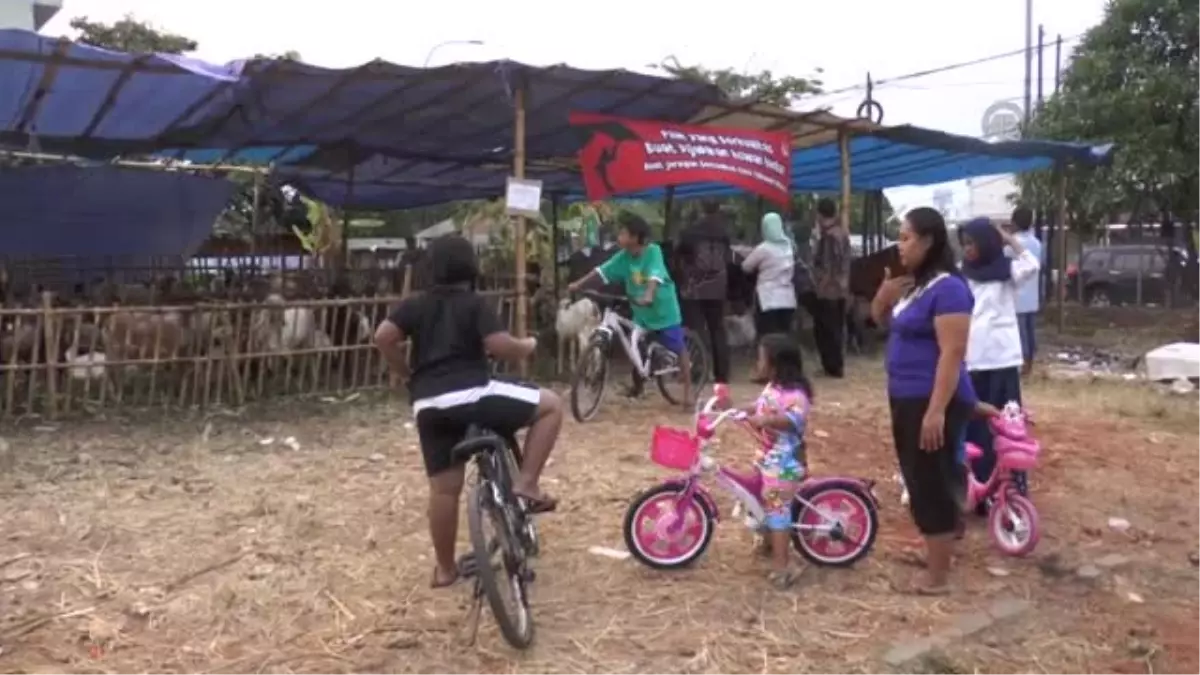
(491, 501)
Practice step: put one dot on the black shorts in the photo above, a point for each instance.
(442, 420)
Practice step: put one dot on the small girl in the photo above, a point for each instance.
(780, 415)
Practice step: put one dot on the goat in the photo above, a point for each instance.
(574, 320)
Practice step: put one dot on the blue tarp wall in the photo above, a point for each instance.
(93, 214)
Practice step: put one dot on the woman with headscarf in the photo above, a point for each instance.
(775, 295)
(994, 355)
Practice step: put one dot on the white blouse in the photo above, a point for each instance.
(774, 265)
(995, 339)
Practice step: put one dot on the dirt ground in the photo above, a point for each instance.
(191, 544)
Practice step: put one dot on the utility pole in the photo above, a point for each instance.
(1028, 60)
(1041, 48)
(1057, 62)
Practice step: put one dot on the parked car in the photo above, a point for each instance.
(1126, 274)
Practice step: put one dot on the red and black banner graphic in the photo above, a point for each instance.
(624, 156)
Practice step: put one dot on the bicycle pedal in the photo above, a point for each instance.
(529, 576)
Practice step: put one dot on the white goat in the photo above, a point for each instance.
(575, 321)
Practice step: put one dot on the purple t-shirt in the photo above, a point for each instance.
(912, 350)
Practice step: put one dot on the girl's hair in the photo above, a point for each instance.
(785, 359)
(927, 223)
(453, 261)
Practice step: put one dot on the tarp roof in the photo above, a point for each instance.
(880, 157)
(388, 136)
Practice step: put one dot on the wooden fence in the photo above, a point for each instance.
(65, 361)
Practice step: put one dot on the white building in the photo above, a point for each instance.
(988, 196)
(28, 15)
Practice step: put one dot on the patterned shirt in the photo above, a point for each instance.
(831, 264)
(782, 455)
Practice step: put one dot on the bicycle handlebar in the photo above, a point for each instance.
(598, 295)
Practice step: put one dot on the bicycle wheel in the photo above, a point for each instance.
(589, 381)
(512, 614)
(670, 385)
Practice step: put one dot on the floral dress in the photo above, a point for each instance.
(781, 458)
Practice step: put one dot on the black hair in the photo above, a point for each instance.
(452, 259)
(635, 225)
(1022, 217)
(927, 222)
(710, 207)
(826, 207)
(787, 362)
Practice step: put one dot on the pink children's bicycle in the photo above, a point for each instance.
(670, 526)
(1012, 518)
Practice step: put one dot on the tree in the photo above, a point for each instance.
(762, 86)
(1132, 81)
(130, 35)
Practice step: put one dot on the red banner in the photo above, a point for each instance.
(623, 156)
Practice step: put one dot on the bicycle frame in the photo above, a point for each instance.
(628, 334)
(746, 489)
(1009, 442)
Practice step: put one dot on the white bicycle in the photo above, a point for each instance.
(650, 360)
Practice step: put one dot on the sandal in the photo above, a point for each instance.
(464, 568)
(784, 579)
(535, 504)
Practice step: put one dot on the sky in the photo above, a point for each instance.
(847, 39)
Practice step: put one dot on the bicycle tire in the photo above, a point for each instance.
(516, 632)
(700, 364)
(577, 410)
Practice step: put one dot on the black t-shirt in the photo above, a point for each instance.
(446, 328)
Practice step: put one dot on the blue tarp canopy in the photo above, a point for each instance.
(907, 155)
(388, 136)
(91, 212)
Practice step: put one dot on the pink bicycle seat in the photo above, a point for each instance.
(974, 452)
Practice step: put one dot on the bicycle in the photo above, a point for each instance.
(497, 460)
(669, 526)
(649, 359)
(1012, 518)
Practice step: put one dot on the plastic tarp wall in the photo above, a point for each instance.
(94, 218)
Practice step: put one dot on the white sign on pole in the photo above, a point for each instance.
(523, 197)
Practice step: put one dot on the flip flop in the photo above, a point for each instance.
(537, 504)
(464, 568)
(785, 579)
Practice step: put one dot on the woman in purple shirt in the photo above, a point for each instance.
(929, 312)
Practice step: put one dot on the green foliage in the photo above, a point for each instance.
(1132, 81)
(130, 35)
(762, 86)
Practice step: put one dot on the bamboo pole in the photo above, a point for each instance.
(844, 153)
(1061, 284)
(133, 164)
(519, 222)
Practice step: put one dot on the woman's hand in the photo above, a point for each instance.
(932, 430)
(893, 288)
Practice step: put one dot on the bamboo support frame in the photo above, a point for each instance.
(1060, 290)
(519, 221)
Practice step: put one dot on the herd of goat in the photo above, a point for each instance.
(266, 326)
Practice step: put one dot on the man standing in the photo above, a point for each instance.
(831, 271)
(1028, 292)
(704, 256)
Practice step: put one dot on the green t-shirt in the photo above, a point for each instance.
(635, 273)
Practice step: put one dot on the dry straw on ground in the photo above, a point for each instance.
(193, 545)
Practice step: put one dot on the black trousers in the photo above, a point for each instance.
(773, 321)
(707, 319)
(936, 481)
(829, 331)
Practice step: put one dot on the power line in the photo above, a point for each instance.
(934, 71)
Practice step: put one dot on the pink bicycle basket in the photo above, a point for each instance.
(673, 448)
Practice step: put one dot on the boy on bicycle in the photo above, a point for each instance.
(640, 267)
(452, 330)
